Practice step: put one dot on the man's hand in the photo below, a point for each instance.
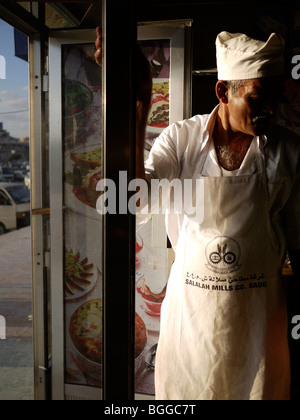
(98, 44)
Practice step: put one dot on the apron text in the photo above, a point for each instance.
(226, 284)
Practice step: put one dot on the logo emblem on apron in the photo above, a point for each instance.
(223, 255)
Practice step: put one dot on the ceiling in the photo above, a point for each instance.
(88, 13)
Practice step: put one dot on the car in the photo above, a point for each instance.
(14, 206)
(8, 173)
(18, 177)
(27, 180)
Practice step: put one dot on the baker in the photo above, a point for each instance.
(224, 319)
(228, 340)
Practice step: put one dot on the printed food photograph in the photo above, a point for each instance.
(78, 99)
(83, 299)
(82, 97)
(80, 275)
(86, 344)
(82, 129)
(83, 171)
(158, 53)
(151, 285)
(86, 330)
(160, 108)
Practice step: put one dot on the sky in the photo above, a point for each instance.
(14, 90)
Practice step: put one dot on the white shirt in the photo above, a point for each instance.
(176, 152)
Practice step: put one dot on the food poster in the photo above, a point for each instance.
(83, 225)
(151, 284)
(151, 263)
(82, 134)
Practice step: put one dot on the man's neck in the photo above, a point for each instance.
(231, 147)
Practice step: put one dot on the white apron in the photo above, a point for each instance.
(224, 322)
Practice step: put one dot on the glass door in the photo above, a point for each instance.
(102, 265)
(76, 227)
(92, 256)
(166, 46)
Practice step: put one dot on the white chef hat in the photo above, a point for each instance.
(240, 57)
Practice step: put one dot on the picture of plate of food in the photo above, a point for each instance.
(77, 100)
(80, 275)
(152, 290)
(159, 116)
(83, 171)
(85, 331)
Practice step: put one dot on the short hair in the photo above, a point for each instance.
(236, 85)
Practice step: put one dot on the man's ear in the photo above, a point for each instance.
(222, 91)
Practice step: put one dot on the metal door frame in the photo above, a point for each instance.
(120, 36)
(38, 218)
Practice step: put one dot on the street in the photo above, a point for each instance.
(16, 351)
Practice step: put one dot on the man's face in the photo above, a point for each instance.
(252, 108)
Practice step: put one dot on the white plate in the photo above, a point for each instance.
(77, 294)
